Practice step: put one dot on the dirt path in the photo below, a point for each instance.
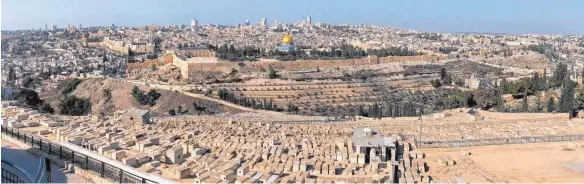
(203, 97)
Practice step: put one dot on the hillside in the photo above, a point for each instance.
(121, 98)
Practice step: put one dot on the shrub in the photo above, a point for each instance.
(436, 83)
(272, 74)
(73, 106)
(145, 99)
(172, 112)
(71, 86)
(233, 71)
(28, 97)
(46, 108)
(107, 94)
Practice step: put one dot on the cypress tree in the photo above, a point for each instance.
(551, 104)
(535, 80)
(538, 103)
(545, 80)
(391, 110)
(524, 103)
(559, 74)
(567, 99)
(503, 86)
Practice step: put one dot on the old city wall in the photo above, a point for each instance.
(166, 59)
(306, 64)
(287, 65)
(94, 44)
(410, 58)
(182, 65)
(104, 44)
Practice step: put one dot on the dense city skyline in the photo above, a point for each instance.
(514, 17)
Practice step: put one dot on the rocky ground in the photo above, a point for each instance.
(121, 98)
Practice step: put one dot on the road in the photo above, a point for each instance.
(30, 163)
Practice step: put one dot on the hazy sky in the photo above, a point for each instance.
(502, 16)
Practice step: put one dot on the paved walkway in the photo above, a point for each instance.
(30, 163)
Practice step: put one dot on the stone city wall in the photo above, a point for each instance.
(166, 59)
(306, 64)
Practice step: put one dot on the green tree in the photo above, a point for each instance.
(487, 98)
(538, 103)
(551, 105)
(28, 97)
(566, 103)
(535, 80)
(145, 99)
(46, 108)
(559, 74)
(436, 83)
(151, 97)
(543, 83)
(525, 105)
(459, 99)
(272, 74)
(233, 71)
(137, 93)
(154, 68)
(73, 106)
(28, 82)
(172, 112)
(198, 108)
(580, 98)
(504, 86)
(11, 76)
(107, 94)
(71, 86)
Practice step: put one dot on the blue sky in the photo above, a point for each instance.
(502, 16)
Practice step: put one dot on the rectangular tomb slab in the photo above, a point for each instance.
(131, 161)
(50, 123)
(43, 132)
(119, 155)
(30, 123)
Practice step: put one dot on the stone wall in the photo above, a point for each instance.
(182, 65)
(187, 69)
(307, 64)
(166, 59)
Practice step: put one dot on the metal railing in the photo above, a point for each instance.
(14, 174)
(104, 170)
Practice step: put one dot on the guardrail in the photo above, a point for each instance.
(105, 170)
(8, 176)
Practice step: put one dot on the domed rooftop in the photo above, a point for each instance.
(287, 39)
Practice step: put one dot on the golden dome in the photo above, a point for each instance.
(287, 39)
